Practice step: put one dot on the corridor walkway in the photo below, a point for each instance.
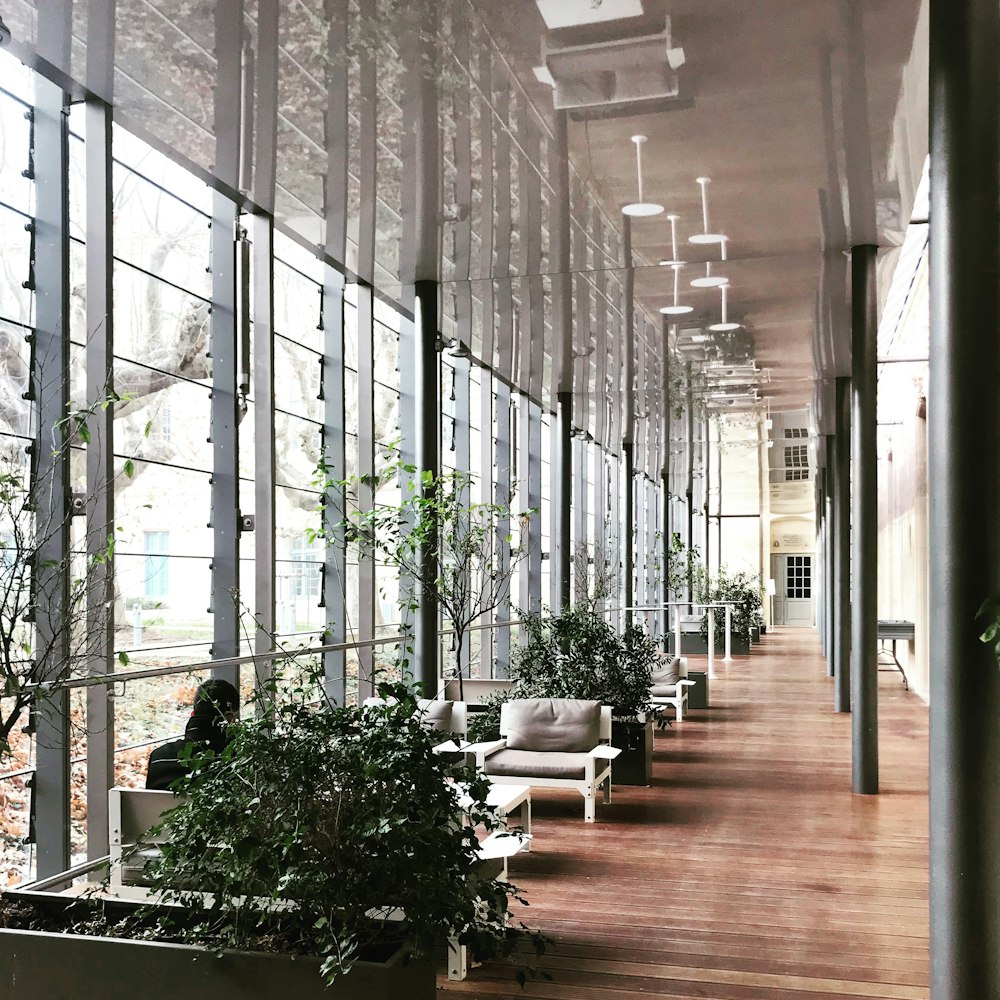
(748, 871)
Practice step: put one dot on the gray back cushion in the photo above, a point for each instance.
(669, 672)
(568, 725)
(435, 714)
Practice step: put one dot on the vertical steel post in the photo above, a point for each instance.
(831, 552)
(100, 474)
(689, 487)
(503, 470)
(365, 403)
(265, 452)
(842, 554)
(864, 522)
(534, 485)
(335, 553)
(628, 437)
(963, 485)
(51, 483)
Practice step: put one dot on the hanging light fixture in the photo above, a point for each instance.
(705, 236)
(713, 280)
(676, 309)
(725, 326)
(674, 259)
(641, 208)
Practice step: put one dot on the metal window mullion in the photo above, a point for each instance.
(502, 451)
(335, 554)
(100, 472)
(224, 436)
(579, 516)
(486, 477)
(50, 482)
(228, 90)
(265, 452)
(534, 484)
(488, 207)
(266, 105)
(367, 136)
(335, 129)
(504, 291)
(463, 149)
(614, 483)
(366, 495)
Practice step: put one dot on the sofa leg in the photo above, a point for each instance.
(606, 784)
(680, 709)
(589, 807)
(458, 960)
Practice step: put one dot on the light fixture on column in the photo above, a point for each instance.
(713, 280)
(676, 309)
(641, 208)
(674, 259)
(725, 326)
(705, 236)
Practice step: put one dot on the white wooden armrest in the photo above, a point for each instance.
(484, 749)
(604, 751)
(451, 746)
(686, 683)
(503, 845)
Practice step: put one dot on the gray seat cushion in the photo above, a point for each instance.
(566, 725)
(435, 714)
(663, 690)
(669, 672)
(530, 764)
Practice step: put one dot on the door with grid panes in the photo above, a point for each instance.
(793, 592)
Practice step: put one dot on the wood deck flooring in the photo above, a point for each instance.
(748, 870)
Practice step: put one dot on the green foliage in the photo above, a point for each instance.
(683, 564)
(327, 831)
(743, 591)
(989, 612)
(579, 654)
(475, 546)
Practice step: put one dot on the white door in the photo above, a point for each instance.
(793, 590)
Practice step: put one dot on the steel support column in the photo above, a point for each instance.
(100, 474)
(842, 550)
(502, 483)
(964, 482)
(689, 482)
(562, 492)
(864, 522)
(365, 403)
(50, 482)
(534, 499)
(628, 435)
(831, 545)
(427, 449)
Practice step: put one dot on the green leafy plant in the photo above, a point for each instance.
(579, 654)
(475, 546)
(683, 565)
(743, 591)
(330, 831)
(989, 612)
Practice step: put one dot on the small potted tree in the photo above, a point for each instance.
(322, 850)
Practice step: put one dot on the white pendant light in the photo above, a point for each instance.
(676, 309)
(674, 260)
(714, 280)
(725, 326)
(705, 236)
(641, 208)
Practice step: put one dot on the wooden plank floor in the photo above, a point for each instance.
(748, 870)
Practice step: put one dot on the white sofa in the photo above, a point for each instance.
(552, 743)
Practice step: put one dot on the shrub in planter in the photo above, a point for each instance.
(743, 590)
(579, 654)
(325, 831)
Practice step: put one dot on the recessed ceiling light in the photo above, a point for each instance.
(640, 208)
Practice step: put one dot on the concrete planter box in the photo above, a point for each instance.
(38, 965)
(634, 765)
(696, 643)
